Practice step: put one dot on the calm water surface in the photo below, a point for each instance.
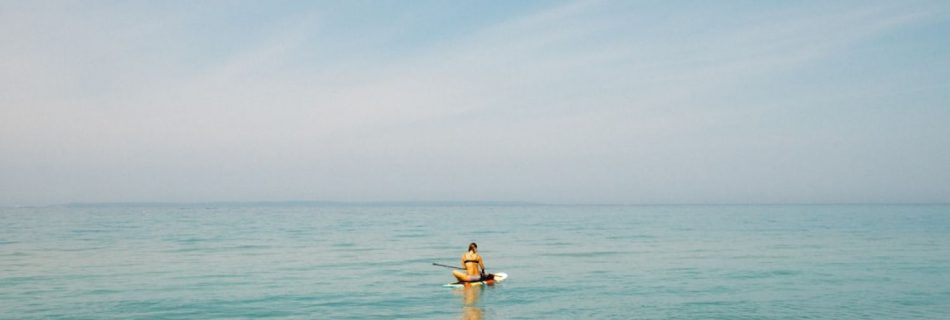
(564, 262)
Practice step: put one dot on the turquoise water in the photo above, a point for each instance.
(564, 262)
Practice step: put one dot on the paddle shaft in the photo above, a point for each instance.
(447, 266)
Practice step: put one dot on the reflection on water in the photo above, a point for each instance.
(470, 309)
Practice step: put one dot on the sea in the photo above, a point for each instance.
(375, 261)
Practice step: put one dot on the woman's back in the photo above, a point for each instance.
(471, 260)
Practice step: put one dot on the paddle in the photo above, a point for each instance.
(446, 266)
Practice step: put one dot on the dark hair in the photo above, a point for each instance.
(472, 246)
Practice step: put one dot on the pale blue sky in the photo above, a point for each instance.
(560, 102)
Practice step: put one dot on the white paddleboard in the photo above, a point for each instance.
(499, 277)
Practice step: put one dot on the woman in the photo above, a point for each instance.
(473, 264)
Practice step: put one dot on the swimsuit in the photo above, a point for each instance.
(473, 277)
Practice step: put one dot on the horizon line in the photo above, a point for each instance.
(437, 203)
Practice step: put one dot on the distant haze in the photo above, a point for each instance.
(555, 102)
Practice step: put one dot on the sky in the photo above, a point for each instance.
(626, 102)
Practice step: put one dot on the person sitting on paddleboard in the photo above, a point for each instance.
(473, 264)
